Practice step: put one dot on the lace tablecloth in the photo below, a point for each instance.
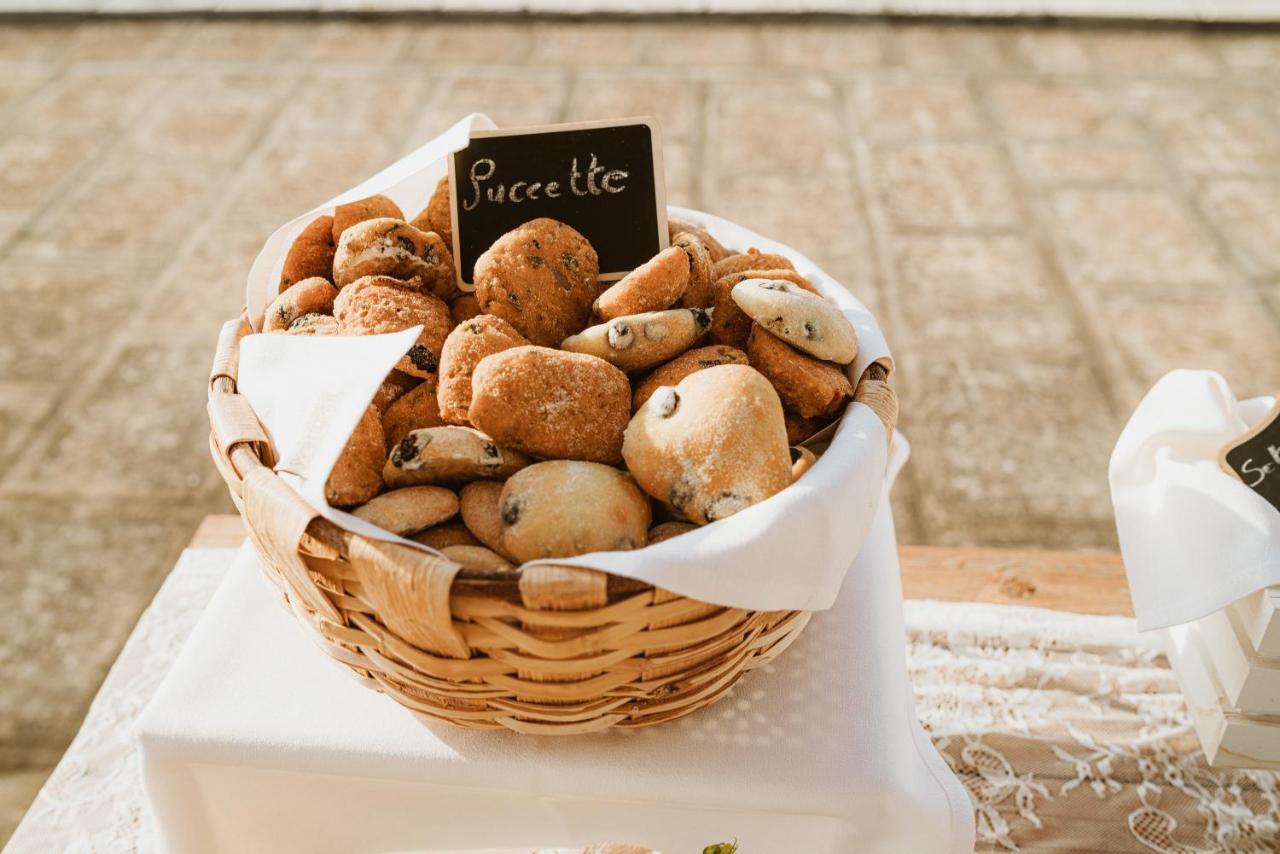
(1069, 732)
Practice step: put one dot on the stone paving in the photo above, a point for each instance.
(1045, 219)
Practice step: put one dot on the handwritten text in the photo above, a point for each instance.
(594, 180)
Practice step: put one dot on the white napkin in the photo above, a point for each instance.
(309, 392)
(789, 552)
(1194, 538)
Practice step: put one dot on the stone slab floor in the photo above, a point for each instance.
(1045, 219)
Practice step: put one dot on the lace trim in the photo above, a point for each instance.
(1071, 731)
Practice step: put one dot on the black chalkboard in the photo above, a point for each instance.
(1255, 457)
(603, 178)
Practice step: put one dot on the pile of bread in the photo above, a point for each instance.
(558, 415)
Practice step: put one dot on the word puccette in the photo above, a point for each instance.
(594, 180)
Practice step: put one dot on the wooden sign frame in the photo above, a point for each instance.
(1264, 423)
(659, 181)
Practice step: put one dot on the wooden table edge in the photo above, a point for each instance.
(1071, 581)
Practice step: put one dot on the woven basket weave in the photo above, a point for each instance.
(544, 649)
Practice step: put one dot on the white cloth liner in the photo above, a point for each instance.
(255, 742)
(1194, 537)
(789, 552)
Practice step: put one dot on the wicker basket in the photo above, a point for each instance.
(544, 649)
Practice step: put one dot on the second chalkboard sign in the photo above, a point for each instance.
(1255, 457)
(603, 178)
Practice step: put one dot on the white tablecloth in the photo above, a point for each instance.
(1068, 731)
(257, 743)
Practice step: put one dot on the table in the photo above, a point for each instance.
(1068, 729)
(1076, 582)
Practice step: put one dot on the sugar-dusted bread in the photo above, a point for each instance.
(712, 445)
(371, 207)
(357, 475)
(677, 226)
(541, 278)
(394, 386)
(463, 307)
(436, 215)
(654, 285)
(667, 530)
(414, 410)
(392, 247)
(448, 455)
(799, 428)
(477, 557)
(636, 342)
(448, 534)
(683, 365)
(375, 305)
(410, 509)
(752, 259)
(480, 513)
(314, 324)
(562, 508)
(311, 254)
(468, 343)
(552, 404)
(699, 293)
(309, 296)
(730, 324)
(807, 386)
(804, 320)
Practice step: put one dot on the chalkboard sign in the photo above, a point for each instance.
(1255, 457)
(603, 178)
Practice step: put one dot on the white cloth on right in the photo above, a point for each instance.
(257, 743)
(1194, 538)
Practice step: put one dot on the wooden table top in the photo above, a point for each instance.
(1078, 582)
